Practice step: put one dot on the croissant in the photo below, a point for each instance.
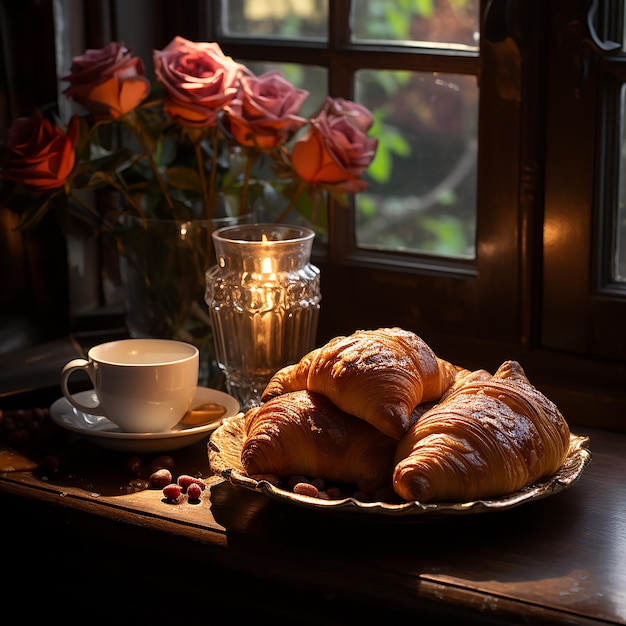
(379, 376)
(462, 377)
(303, 433)
(489, 437)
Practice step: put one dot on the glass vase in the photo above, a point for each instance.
(263, 297)
(162, 266)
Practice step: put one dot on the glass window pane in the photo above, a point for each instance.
(303, 19)
(452, 22)
(422, 183)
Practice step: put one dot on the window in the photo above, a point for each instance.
(584, 304)
(422, 194)
(503, 234)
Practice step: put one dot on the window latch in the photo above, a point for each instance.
(607, 46)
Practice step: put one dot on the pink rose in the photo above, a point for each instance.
(336, 150)
(198, 79)
(264, 114)
(38, 154)
(108, 82)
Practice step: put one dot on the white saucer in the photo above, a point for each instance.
(108, 435)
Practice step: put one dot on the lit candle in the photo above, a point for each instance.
(263, 297)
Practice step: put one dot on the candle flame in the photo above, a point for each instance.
(266, 266)
(266, 263)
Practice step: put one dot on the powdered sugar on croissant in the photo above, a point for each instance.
(378, 375)
(490, 436)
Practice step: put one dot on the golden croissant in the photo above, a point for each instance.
(491, 436)
(303, 433)
(379, 376)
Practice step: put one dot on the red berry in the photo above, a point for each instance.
(334, 493)
(294, 480)
(161, 478)
(319, 483)
(133, 465)
(162, 462)
(39, 414)
(19, 437)
(306, 489)
(49, 464)
(194, 491)
(172, 491)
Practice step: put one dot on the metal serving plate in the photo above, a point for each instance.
(226, 442)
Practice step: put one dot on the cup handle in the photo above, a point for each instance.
(66, 372)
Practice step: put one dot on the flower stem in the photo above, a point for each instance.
(243, 198)
(208, 200)
(84, 204)
(215, 149)
(121, 187)
(148, 154)
(292, 202)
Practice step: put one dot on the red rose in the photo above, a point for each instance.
(264, 114)
(198, 79)
(38, 154)
(336, 149)
(108, 82)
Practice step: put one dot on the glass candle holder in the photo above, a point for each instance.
(263, 298)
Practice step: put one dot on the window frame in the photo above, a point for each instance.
(583, 310)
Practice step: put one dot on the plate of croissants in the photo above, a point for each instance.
(376, 423)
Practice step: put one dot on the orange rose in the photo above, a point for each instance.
(38, 154)
(198, 79)
(336, 150)
(108, 82)
(264, 114)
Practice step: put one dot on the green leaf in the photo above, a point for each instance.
(449, 237)
(380, 168)
(111, 161)
(185, 178)
(366, 205)
(424, 8)
(397, 144)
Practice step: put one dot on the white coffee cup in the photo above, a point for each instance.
(142, 385)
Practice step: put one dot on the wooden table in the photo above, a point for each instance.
(83, 547)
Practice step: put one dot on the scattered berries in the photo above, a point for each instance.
(23, 428)
(319, 483)
(194, 491)
(160, 478)
(325, 490)
(306, 489)
(185, 481)
(133, 465)
(334, 493)
(172, 491)
(162, 462)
